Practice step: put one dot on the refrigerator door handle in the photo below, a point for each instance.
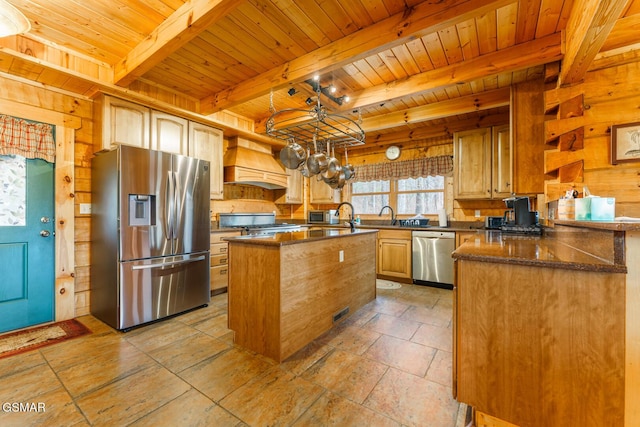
(168, 207)
(168, 264)
(177, 191)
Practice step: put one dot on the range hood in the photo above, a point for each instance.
(252, 163)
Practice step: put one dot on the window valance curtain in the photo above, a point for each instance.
(426, 166)
(28, 139)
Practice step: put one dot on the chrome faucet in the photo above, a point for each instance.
(393, 215)
(351, 223)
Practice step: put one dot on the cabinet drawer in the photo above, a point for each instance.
(222, 259)
(218, 236)
(219, 277)
(219, 248)
(394, 234)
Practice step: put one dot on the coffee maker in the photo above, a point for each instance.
(518, 217)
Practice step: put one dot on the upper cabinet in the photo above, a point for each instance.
(483, 163)
(294, 193)
(169, 133)
(117, 122)
(321, 193)
(205, 142)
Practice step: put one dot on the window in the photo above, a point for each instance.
(411, 196)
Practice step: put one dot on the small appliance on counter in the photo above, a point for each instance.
(323, 217)
(519, 218)
(493, 222)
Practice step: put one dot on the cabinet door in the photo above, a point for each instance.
(169, 133)
(205, 143)
(294, 194)
(320, 192)
(502, 167)
(472, 164)
(394, 258)
(120, 122)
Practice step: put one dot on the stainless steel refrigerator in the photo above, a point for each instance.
(150, 235)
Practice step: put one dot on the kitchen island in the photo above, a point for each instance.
(286, 289)
(546, 330)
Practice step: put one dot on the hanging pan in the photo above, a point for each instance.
(292, 155)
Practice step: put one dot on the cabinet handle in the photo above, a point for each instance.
(223, 272)
(489, 191)
(507, 184)
(223, 261)
(223, 250)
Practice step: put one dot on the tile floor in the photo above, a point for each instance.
(389, 364)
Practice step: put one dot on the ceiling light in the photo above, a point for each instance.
(316, 77)
(346, 98)
(308, 101)
(291, 92)
(332, 89)
(12, 21)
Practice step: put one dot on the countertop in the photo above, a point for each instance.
(295, 237)
(539, 251)
(455, 227)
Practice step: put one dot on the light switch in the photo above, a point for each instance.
(341, 256)
(477, 213)
(85, 208)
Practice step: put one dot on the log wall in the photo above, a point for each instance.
(578, 137)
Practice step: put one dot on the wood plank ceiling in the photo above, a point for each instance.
(412, 69)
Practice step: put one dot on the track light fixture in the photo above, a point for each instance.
(327, 91)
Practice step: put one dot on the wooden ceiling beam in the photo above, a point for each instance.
(417, 21)
(432, 131)
(180, 28)
(589, 25)
(537, 52)
(519, 57)
(452, 107)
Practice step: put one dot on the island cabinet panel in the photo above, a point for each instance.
(540, 346)
(282, 297)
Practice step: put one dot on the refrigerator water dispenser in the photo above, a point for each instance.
(142, 208)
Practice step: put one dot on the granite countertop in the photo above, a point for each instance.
(537, 251)
(601, 225)
(456, 227)
(314, 234)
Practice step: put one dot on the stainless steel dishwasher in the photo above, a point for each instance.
(431, 258)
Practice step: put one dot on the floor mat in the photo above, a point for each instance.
(387, 284)
(29, 339)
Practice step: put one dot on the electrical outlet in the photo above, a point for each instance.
(85, 208)
(341, 256)
(477, 213)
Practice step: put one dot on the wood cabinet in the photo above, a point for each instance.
(483, 163)
(120, 122)
(117, 121)
(283, 296)
(294, 193)
(219, 277)
(205, 142)
(169, 133)
(321, 193)
(394, 253)
(531, 349)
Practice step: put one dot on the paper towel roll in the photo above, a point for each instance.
(442, 218)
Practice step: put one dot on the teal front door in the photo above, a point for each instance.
(27, 249)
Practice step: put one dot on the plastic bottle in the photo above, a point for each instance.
(358, 219)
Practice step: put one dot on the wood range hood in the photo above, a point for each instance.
(252, 163)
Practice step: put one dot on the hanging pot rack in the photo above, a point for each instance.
(315, 125)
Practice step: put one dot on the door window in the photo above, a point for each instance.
(13, 192)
